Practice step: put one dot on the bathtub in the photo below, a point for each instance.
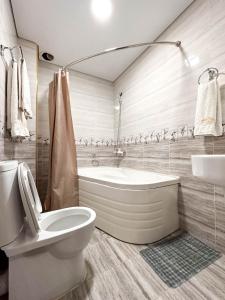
(133, 206)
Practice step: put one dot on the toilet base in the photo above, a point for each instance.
(39, 275)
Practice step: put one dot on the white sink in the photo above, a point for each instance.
(209, 168)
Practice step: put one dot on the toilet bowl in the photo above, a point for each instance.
(44, 249)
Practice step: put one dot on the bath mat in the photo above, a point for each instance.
(177, 260)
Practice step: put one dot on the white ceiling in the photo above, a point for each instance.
(68, 30)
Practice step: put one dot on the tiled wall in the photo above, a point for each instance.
(198, 202)
(159, 89)
(87, 156)
(91, 104)
(26, 150)
(93, 118)
(159, 98)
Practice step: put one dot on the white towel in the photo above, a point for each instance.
(24, 90)
(208, 117)
(18, 121)
(8, 96)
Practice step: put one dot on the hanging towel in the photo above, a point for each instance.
(24, 90)
(18, 120)
(208, 117)
(8, 96)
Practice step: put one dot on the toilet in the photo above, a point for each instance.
(44, 249)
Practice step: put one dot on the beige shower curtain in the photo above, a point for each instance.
(62, 175)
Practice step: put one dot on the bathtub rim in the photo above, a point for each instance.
(126, 186)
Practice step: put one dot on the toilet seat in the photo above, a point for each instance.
(29, 195)
(46, 228)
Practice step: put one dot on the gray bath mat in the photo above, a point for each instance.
(177, 260)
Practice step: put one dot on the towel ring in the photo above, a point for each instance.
(212, 72)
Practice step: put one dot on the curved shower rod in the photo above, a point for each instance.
(177, 44)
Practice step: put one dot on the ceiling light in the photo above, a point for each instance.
(101, 9)
(192, 60)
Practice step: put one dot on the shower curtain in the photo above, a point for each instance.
(62, 176)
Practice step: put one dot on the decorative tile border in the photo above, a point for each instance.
(6, 135)
(155, 136)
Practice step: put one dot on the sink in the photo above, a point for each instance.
(209, 168)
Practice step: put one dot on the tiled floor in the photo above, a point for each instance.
(116, 271)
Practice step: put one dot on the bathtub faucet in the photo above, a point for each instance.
(119, 152)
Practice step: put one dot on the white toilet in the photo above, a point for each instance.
(44, 249)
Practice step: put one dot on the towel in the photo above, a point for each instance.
(208, 117)
(24, 89)
(8, 96)
(18, 120)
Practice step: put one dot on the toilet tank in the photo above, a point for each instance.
(11, 209)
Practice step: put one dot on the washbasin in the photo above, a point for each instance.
(209, 168)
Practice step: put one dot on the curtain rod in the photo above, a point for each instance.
(177, 44)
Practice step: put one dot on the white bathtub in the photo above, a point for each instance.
(134, 206)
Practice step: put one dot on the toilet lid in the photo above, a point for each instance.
(29, 195)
